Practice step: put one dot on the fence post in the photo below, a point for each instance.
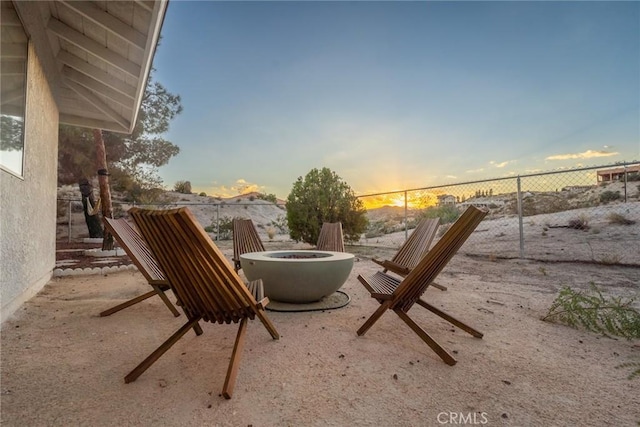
(217, 222)
(406, 219)
(625, 182)
(520, 222)
(69, 229)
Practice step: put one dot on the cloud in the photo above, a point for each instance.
(502, 164)
(241, 186)
(586, 155)
(475, 170)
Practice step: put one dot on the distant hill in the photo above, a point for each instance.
(252, 195)
(388, 212)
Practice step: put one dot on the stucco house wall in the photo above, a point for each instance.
(28, 204)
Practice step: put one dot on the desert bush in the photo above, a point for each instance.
(616, 218)
(280, 224)
(223, 228)
(446, 213)
(580, 223)
(543, 203)
(202, 194)
(271, 233)
(322, 196)
(609, 196)
(382, 227)
(268, 197)
(595, 312)
(633, 176)
(183, 187)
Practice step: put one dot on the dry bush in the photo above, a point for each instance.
(619, 219)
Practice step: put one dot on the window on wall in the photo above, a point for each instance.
(13, 83)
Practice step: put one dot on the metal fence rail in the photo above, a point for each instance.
(551, 216)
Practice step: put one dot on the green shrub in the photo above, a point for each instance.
(633, 176)
(322, 196)
(446, 213)
(202, 194)
(268, 197)
(225, 230)
(183, 187)
(280, 224)
(595, 312)
(609, 196)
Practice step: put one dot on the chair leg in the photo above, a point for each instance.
(374, 317)
(441, 287)
(451, 319)
(234, 363)
(146, 363)
(141, 298)
(268, 324)
(196, 326)
(126, 304)
(166, 301)
(444, 355)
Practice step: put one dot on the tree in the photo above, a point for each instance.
(322, 196)
(11, 132)
(133, 159)
(183, 187)
(89, 207)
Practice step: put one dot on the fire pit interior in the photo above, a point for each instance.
(302, 276)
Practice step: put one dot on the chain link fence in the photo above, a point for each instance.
(215, 217)
(590, 214)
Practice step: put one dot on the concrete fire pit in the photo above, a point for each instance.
(301, 276)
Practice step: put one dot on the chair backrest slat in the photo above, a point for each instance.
(330, 237)
(245, 237)
(418, 243)
(199, 273)
(135, 246)
(417, 281)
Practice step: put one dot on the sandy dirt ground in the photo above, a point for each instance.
(63, 365)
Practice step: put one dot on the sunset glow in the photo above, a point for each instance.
(415, 200)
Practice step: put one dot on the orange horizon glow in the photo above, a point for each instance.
(414, 200)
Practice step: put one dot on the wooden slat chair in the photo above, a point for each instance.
(245, 239)
(330, 237)
(400, 295)
(134, 245)
(413, 249)
(204, 282)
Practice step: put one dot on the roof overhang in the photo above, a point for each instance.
(96, 55)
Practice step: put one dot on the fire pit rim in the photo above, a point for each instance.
(273, 255)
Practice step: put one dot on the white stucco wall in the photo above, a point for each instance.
(28, 205)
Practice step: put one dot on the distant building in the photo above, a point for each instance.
(616, 174)
(446, 199)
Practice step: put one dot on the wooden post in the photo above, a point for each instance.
(105, 192)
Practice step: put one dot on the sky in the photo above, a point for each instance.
(396, 95)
